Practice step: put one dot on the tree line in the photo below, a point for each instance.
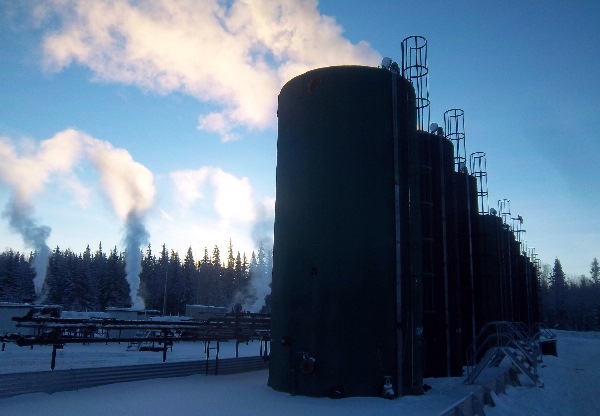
(94, 281)
(571, 303)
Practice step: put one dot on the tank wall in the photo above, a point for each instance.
(489, 292)
(441, 284)
(334, 261)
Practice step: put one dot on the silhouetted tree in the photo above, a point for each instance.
(558, 288)
(595, 271)
(16, 277)
(190, 278)
(55, 283)
(149, 281)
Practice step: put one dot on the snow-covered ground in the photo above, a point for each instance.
(572, 386)
(571, 382)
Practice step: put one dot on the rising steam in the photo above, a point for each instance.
(252, 298)
(128, 185)
(136, 236)
(26, 172)
(20, 219)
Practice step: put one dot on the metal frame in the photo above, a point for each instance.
(415, 70)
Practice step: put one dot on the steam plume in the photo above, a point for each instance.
(136, 236)
(26, 172)
(253, 298)
(129, 187)
(20, 219)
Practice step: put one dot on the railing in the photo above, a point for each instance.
(499, 339)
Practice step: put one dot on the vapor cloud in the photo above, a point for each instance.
(129, 187)
(20, 219)
(28, 169)
(232, 196)
(235, 55)
(235, 204)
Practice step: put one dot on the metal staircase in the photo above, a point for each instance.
(500, 339)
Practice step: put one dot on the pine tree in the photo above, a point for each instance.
(558, 287)
(77, 283)
(229, 277)
(241, 273)
(203, 290)
(176, 289)
(26, 274)
(98, 272)
(148, 279)
(117, 287)
(595, 293)
(92, 284)
(9, 286)
(216, 287)
(190, 277)
(595, 271)
(55, 282)
(547, 308)
(162, 277)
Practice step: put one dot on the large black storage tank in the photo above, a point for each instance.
(441, 286)
(466, 217)
(339, 327)
(490, 292)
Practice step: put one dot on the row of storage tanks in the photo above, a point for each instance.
(383, 267)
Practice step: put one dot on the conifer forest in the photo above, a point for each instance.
(96, 280)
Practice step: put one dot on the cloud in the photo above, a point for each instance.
(235, 55)
(232, 196)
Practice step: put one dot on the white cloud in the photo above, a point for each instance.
(233, 197)
(27, 172)
(236, 54)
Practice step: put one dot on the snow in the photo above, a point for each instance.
(570, 387)
(571, 381)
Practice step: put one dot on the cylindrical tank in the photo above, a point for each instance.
(466, 217)
(342, 248)
(490, 292)
(441, 286)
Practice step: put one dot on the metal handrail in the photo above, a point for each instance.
(504, 334)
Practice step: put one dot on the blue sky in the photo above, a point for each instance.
(184, 93)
